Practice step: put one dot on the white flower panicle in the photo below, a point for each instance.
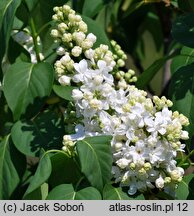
(71, 33)
(145, 133)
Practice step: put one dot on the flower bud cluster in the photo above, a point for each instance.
(145, 133)
(123, 78)
(71, 33)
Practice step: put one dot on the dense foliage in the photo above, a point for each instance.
(72, 123)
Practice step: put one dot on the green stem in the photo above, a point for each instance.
(43, 27)
(78, 183)
(34, 37)
(186, 158)
(53, 151)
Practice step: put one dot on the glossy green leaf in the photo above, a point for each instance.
(133, 7)
(7, 12)
(40, 177)
(183, 30)
(116, 193)
(12, 167)
(96, 159)
(181, 90)
(39, 193)
(186, 57)
(67, 192)
(45, 131)
(113, 193)
(71, 172)
(185, 188)
(64, 92)
(151, 71)
(24, 82)
(31, 4)
(91, 8)
(104, 16)
(96, 29)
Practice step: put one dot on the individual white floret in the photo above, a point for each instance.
(91, 37)
(159, 182)
(64, 80)
(77, 94)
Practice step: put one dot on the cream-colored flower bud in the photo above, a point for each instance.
(126, 107)
(76, 51)
(156, 99)
(159, 182)
(133, 79)
(184, 120)
(56, 9)
(176, 175)
(54, 17)
(132, 166)
(142, 171)
(65, 59)
(122, 163)
(127, 76)
(91, 37)
(122, 84)
(134, 139)
(66, 138)
(71, 18)
(167, 180)
(147, 166)
(118, 47)
(89, 54)
(169, 103)
(67, 37)
(121, 63)
(55, 33)
(64, 80)
(60, 51)
(118, 146)
(132, 72)
(66, 8)
(83, 27)
(65, 149)
(98, 79)
(184, 135)
(103, 48)
(77, 18)
(60, 15)
(77, 94)
(120, 53)
(70, 66)
(108, 59)
(86, 44)
(59, 71)
(113, 42)
(62, 27)
(79, 37)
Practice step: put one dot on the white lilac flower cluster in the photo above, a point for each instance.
(71, 34)
(145, 133)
